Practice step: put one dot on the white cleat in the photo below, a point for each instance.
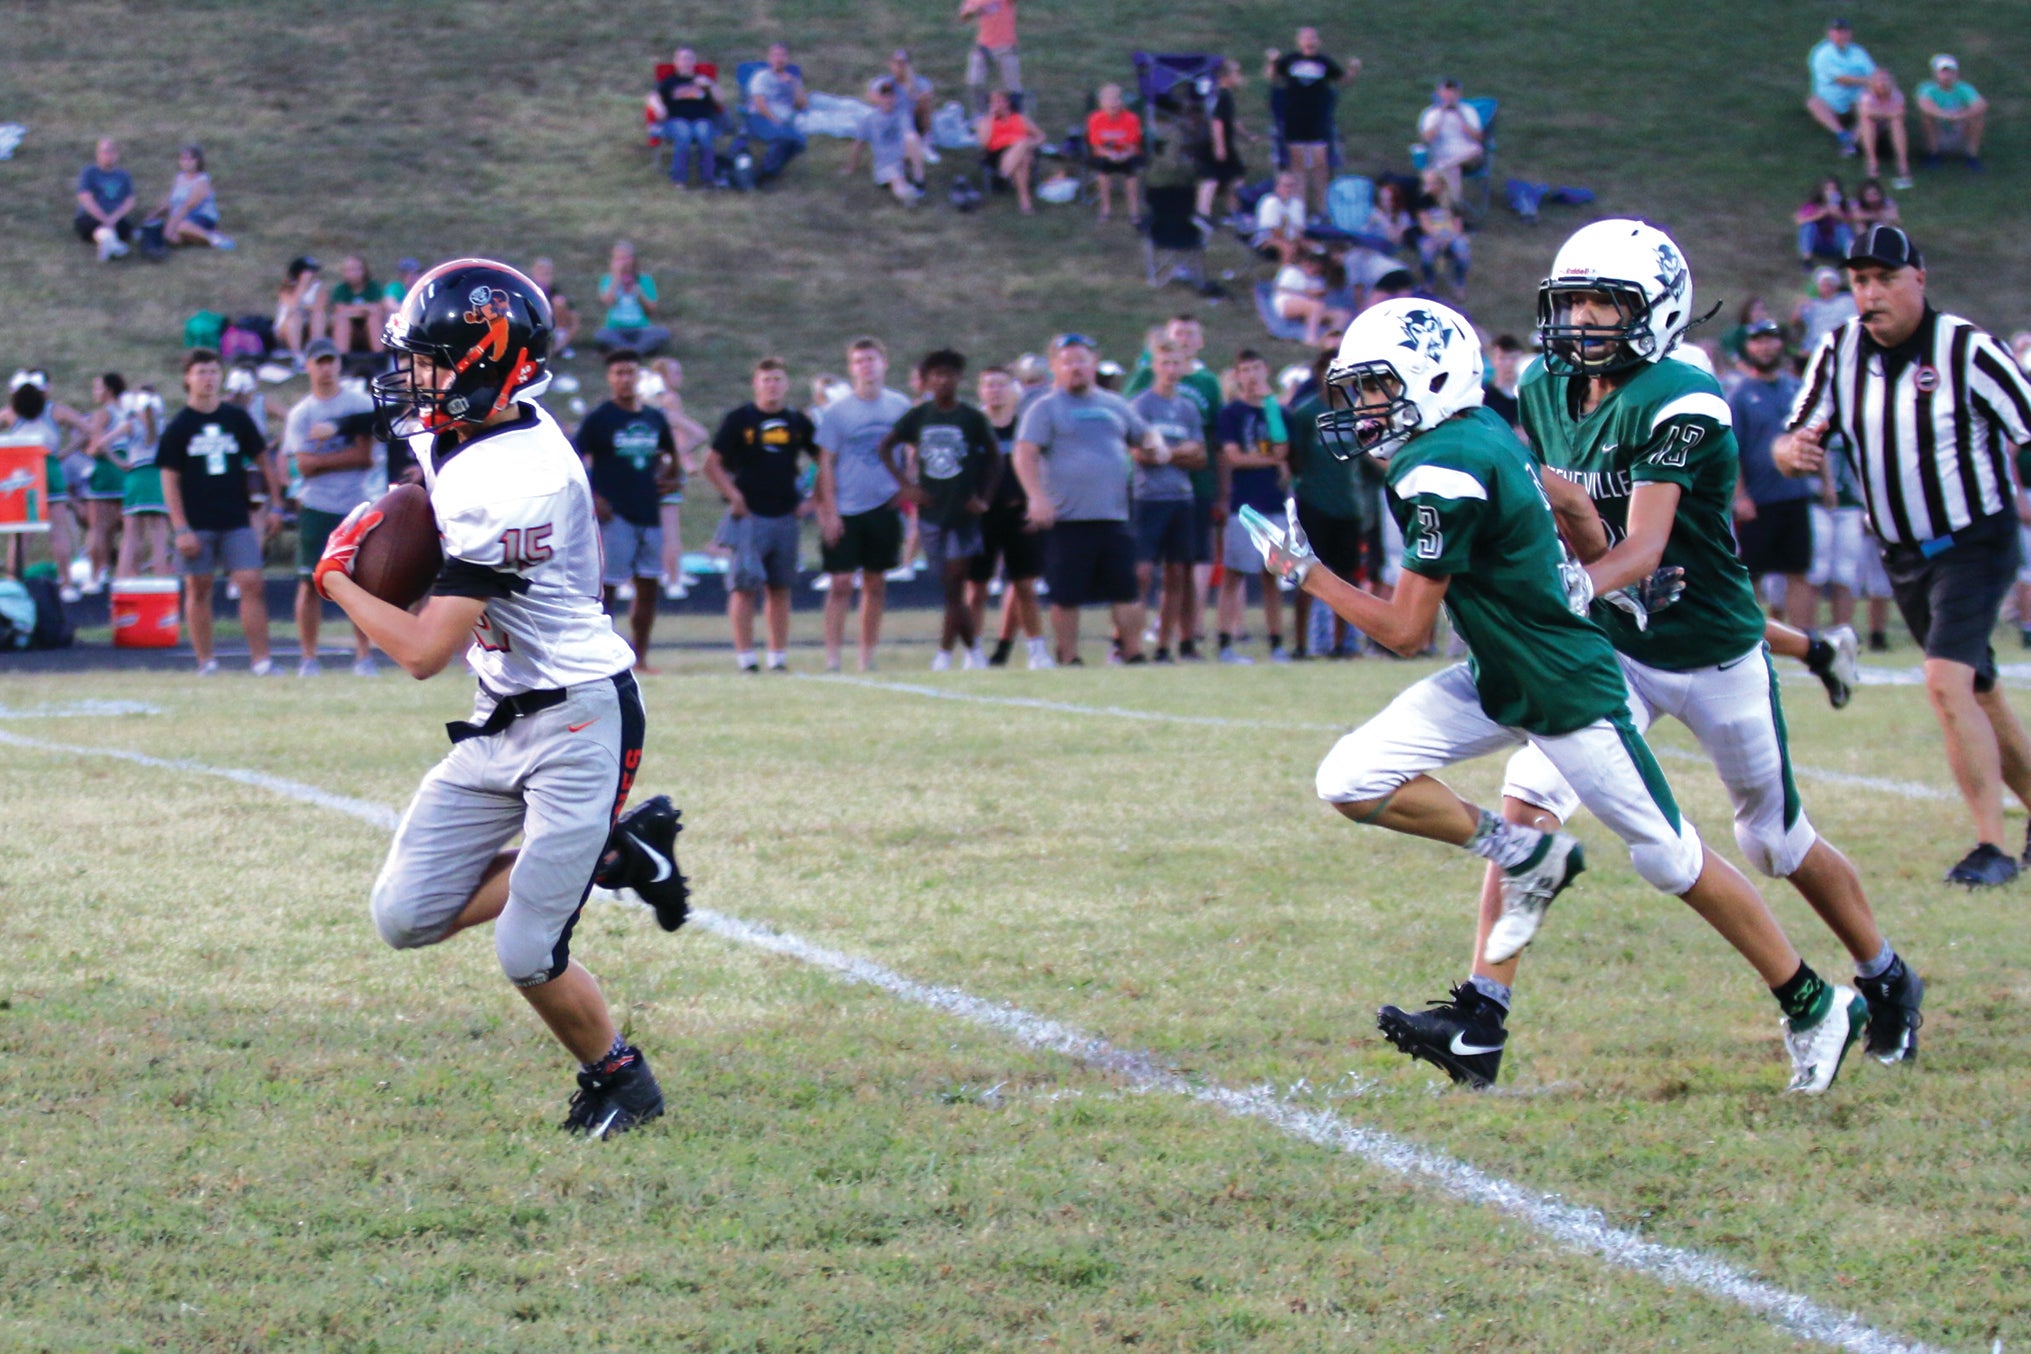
(1527, 895)
(1817, 1050)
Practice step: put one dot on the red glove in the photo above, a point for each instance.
(343, 545)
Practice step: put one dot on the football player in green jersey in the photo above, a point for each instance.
(1479, 539)
(1643, 464)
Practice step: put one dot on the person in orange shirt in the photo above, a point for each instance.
(994, 48)
(1008, 143)
(1114, 141)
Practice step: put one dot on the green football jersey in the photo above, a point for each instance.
(1473, 512)
(1668, 424)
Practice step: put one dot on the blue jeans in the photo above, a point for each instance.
(1825, 240)
(682, 134)
(780, 143)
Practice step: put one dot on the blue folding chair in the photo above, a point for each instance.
(1483, 173)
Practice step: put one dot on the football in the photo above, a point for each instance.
(400, 557)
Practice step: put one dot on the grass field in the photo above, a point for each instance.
(231, 1120)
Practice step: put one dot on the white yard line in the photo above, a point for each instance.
(80, 710)
(1583, 1230)
(1903, 789)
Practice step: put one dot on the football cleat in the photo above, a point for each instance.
(1840, 673)
(1464, 1035)
(1894, 998)
(1527, 892)
(641, 855)
(1818, 1049)
(609, 1103)
(1984, 867)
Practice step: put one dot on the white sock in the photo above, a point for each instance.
(1878, 966)
(1507, 844)
(778, 657)
(744, 660)
(1037, 646)
(1496, 992)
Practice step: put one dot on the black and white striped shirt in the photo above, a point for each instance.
(1928, 422)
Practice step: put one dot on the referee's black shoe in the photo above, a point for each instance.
(1464, 1036)
(1984, 867)
(641, 854)
(622, 1095)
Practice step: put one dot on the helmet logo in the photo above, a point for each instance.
(457, 405)
(1425, 334)
(490, 308)
(1669, 266)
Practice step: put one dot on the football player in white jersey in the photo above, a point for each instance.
(555, 737)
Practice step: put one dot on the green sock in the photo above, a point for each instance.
(1805, 997)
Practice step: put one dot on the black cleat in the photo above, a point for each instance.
(611, 1102)
(1464, 1035)
(1984, 867)
(1894, 998)
(642, 855)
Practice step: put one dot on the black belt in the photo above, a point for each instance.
(507, 709)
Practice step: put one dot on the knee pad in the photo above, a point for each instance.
(399, 926)
(1351, 775)
(528, 959)
(1671, 866)
(1774, 850)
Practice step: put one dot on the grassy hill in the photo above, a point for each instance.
(465, 127)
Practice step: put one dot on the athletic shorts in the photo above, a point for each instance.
(1006, 539)
(314, 527)
(1163, 531)
(632, 551)
(869, 541)
(1088, 562)
(960, 541)
(764, 551)
(1339, 542)
(56, 487)
(1733, 709)
(1237, 548)
(1778, 539)
(557, 778)
(143, 492)
(1120, 169)
(1202, 530)
(1845, 554)
(1439, 722)
(1951, 600)
(233, 552)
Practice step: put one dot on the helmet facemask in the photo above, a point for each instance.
(1595, 348)
(1369, 411)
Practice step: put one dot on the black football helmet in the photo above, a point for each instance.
(483, 323)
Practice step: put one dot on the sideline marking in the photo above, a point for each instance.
(1573, 1227)
(1904, 789)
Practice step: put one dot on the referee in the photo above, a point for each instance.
(1929, 405)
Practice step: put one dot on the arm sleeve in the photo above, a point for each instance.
(1816, 402)
(1138, 426)
(1446, 507)
(1035, 426)
(726, 441)
(253, 446)
(173, 451)
(826, 431)
(1685, 437)
(463, 578)
(909, 427)
(2000, 388)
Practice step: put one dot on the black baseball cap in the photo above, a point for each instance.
(1886, 246)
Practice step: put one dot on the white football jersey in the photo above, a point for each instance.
(514, 500)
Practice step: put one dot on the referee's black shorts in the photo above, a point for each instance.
(1951, 599)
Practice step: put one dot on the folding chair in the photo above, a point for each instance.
(1484, 171)
(664, 70)
(1172, 245)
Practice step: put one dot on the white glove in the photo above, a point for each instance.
(1285, 555)
(1578, 585)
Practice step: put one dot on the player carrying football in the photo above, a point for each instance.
(1479, 539)
(1644, 464)
(555, 737)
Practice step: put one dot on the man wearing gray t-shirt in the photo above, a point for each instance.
(1163, 492)
(1072, 456)
(858, 518)
(328, 448)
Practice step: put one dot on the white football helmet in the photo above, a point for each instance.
(1638, 268)
(1404, 367)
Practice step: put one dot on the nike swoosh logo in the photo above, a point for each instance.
(1737, 663)
(663, 866)
(1467, 1050)
(604, 1125)
(574, 728)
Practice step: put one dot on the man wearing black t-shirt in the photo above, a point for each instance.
(624, 445)
(753, 463)
(1005, 537)
(1306, 80)
(957, 461)
(203, 456)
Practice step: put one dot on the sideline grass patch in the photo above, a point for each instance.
(228, 1116)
